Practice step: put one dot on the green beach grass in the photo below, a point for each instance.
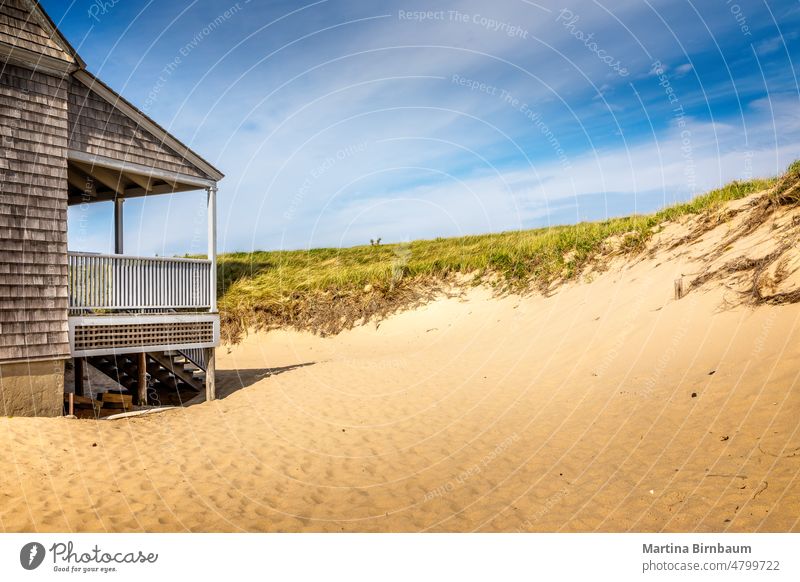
(329, 289)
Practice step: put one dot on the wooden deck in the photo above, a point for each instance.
(120, 304)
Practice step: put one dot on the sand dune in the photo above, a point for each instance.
(609, 406)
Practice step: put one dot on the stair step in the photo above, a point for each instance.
(170, 371)
(160, 372)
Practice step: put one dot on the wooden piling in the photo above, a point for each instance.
(80, 366)
(679, 288)
(141, 385)
(211, 371)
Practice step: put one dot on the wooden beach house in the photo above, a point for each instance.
(68, 139)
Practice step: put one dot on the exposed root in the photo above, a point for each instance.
(781, 298)
(793, 453)
(328, 312)
(756, 288)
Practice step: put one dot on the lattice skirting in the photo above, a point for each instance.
(98, 335)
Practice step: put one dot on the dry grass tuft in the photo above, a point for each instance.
(758, 289)
(787, 190)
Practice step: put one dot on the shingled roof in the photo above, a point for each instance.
(102, 122)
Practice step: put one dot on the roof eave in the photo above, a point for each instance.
(140, 118)
(17, 55)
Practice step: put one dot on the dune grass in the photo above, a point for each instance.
(326, 290)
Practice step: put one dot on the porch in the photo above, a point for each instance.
(144, 322)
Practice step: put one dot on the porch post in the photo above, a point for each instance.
(211, 380)
(211, 375)
(118, 247)
(141, 384)
(212, 244)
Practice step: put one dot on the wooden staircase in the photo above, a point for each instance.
(173, 377)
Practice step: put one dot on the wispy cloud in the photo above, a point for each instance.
(340, 122)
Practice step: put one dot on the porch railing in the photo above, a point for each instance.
(197, 356)
(124, 283)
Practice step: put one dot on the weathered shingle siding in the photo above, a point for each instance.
(18, 27)
(97, 128)
(33, 215)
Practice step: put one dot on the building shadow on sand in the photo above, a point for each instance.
(230, 381)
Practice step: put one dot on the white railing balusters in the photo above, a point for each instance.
(115, 282)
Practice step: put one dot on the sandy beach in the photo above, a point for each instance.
(607, 406)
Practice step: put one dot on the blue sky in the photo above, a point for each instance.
(340, 121)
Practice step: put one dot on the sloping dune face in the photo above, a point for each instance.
(609, 405)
